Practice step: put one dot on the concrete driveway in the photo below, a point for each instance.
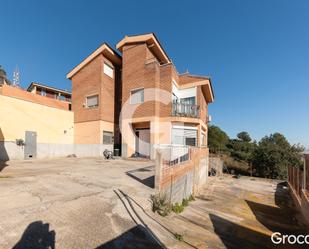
(85, 203)
(74, 203)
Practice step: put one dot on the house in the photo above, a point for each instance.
(133, 100)
(50, 92)
(96, 98)
(137, 100)
(33, 126)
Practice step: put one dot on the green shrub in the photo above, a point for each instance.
(191, 198)
(185, 202)
(177, 208)
(160, 204)
(178, 237)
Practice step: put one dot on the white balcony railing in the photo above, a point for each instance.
(185, 110)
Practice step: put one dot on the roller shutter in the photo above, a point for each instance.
(184, 136)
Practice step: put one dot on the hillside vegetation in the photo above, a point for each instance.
(267, 158)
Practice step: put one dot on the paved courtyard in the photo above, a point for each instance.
(73, 203)
(91, 203)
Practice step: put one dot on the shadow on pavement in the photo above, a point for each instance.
(128, 204)
(37, 236)
(3, 164)
(143, 175)
(235, 236)
(136, 238)
(282, 218)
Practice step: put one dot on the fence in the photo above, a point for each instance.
(299, 183)
(174, 154)
(180, 171)
(306, 172)
(296, 179)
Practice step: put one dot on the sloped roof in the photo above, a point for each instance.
(188, 80)
(151, 40)
(103, 49)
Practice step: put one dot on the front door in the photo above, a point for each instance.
(30, 144)
(142, 142)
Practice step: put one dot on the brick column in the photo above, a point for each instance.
(158, 170)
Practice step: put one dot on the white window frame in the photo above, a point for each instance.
(112, 137)
(89, 96)
(136, 90)
(108, 70)
(183, 128)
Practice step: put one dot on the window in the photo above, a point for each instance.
(190, 141)
(137, 96)
(108, 137)
(184, 136)
(43, 92)
(188, 101)
(92, 101)
(108, 70)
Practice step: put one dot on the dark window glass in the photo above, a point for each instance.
(108, 137)
(190, 141)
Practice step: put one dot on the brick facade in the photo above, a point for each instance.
(143, 64)
(137, 74)
(180, 180)
(89, 81)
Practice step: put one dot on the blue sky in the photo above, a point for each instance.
(256, 52)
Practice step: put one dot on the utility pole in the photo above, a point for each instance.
(16, 77)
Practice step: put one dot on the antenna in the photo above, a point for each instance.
(16, 77)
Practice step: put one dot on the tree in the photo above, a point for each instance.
(241, 149)
(2, 71)
(3, 77)
(217, 140)
(244, 136)
(273, 155)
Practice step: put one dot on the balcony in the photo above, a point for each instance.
(185, 110)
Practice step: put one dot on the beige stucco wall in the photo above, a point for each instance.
(52, 125)
(91, 132)
(160, 132)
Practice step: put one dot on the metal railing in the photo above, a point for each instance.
(174, 154)
(185, 110)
